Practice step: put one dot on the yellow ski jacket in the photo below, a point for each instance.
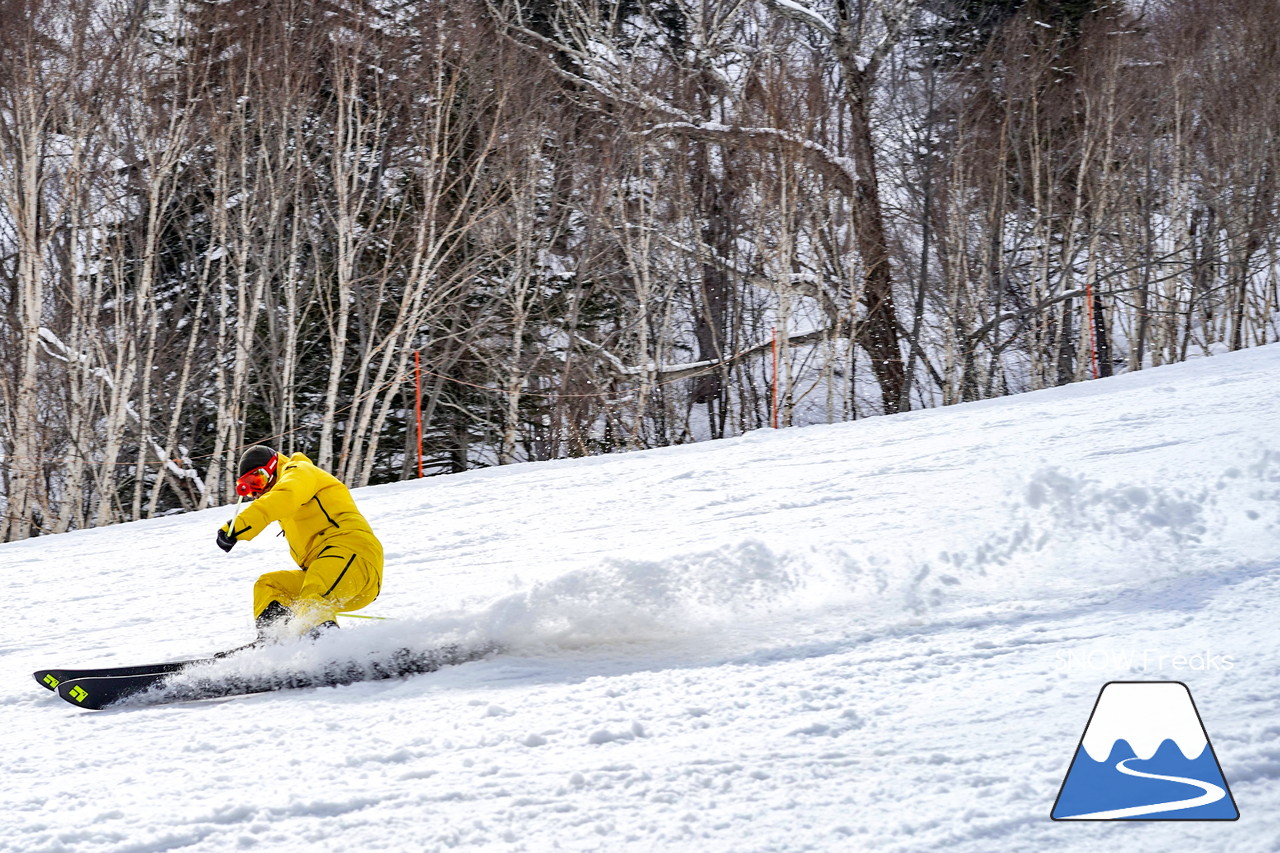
(314, 508)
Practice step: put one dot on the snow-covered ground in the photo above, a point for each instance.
(879, 636)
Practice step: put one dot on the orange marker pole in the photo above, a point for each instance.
(775, 377)
(417, 402)
(1093, 330)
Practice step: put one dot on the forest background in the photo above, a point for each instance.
(547, 228)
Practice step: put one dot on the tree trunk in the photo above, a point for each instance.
(878, 332)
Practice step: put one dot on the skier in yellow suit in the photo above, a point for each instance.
(339, 558)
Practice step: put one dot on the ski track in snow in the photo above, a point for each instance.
(881, 636)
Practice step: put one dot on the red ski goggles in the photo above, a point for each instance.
(253, 483)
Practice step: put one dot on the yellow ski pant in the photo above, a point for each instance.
(338, 580)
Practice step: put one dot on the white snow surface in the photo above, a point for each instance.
(885, 635)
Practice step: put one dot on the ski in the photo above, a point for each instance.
(51, 678)
(99, 691)
(163, 688)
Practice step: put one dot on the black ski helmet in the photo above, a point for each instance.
(258, 456)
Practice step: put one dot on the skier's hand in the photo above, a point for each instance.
(226, 539)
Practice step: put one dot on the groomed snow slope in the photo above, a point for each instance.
(879, 636)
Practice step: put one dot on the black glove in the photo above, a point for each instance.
(226, 541)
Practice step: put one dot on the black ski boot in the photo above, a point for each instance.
(322, 629)
(269, 622)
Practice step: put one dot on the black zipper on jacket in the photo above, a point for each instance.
(340, 577)
(326, 512)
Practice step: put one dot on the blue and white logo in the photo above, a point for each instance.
(1145, 755)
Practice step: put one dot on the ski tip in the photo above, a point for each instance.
(77, 695)
(47, 678)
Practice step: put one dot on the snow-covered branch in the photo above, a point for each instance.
(839, 169)
(182, 469)
(686, 370)
(795, 285)
(802, 13)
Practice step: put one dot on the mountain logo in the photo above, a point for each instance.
(1145, 755)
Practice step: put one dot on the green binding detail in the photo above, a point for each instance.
(51, 681)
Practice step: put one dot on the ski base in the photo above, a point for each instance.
(167, 687)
